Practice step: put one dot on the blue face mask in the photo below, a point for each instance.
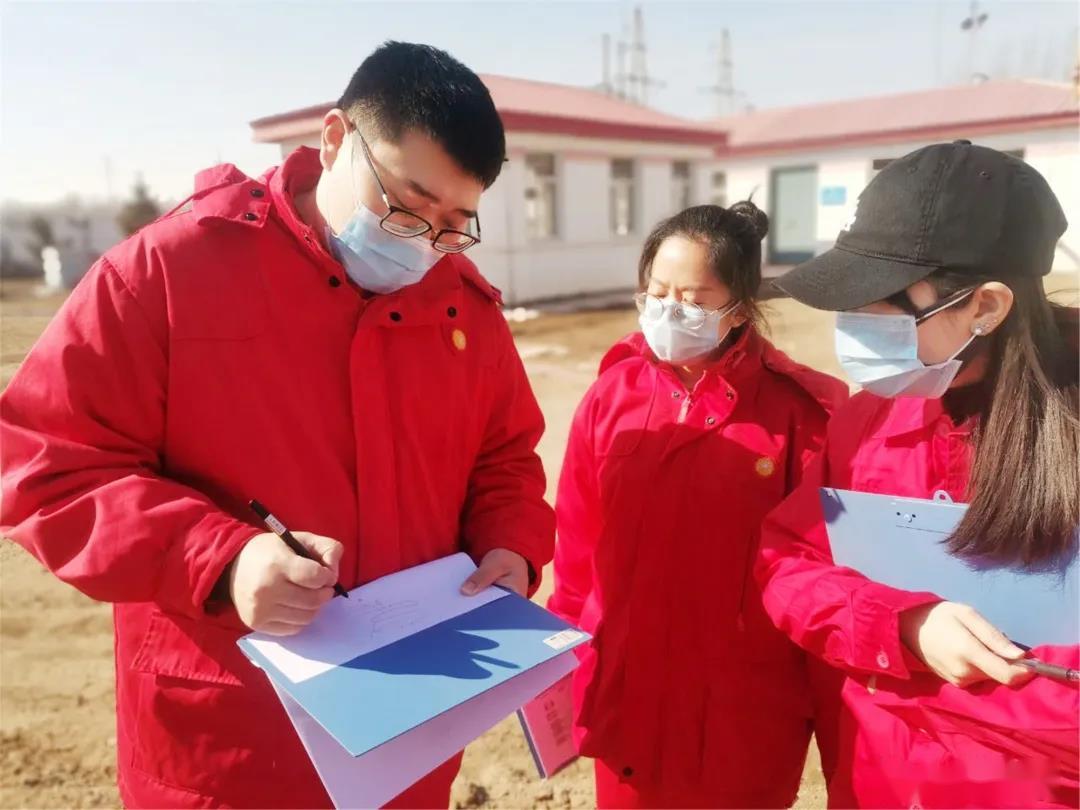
(881, 354)
(379, 261)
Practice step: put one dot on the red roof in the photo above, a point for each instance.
(939, 114)
(531, 106)
(929, 115)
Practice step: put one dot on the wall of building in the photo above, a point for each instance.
(81, 233)
(1055, 153)
(584, 256)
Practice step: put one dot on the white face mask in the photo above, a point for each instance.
(881, 353)
(674, 342)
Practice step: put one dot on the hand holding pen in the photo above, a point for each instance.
(315, 553)
(277, 590)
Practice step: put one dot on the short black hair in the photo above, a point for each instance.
(403, 86)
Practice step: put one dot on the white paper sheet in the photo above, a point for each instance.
(375, 615)
(377, 777)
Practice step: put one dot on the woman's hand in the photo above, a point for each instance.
(961, 646)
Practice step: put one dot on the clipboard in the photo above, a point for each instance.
(386, 685)
(901, 542)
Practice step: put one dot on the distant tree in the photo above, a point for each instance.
(12, 267)
(41, 232)
(140, 210)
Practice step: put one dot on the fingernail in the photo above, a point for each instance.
(468, 589)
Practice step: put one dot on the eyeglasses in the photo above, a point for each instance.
(689, 315)
(901, 300)
(407, 225)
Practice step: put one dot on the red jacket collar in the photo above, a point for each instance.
(226, 193)
(635, 345)
(746, 356)
(300, 171)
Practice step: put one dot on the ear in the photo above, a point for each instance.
(991, 304)
(739, 316)
(334, 140)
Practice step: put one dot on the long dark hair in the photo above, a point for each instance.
(1024, 487)
(732, 237)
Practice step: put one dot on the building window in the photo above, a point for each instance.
(541, 208)
(680, 185)
(718, 191)
(793, 204)
(623, 213)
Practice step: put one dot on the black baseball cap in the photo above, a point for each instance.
(966, 208)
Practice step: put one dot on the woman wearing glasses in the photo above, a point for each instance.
(695, 429)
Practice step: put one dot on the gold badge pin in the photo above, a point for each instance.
(765, 466)
(459, 340)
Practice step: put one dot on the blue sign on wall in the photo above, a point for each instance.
(834, 195)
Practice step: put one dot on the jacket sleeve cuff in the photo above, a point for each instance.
(877, 646)
(195, 563)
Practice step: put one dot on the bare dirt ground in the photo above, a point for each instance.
(56, 664)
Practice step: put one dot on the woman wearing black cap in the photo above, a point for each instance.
(970, 388)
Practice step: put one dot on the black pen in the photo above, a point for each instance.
(278, 528)
(1045, 669)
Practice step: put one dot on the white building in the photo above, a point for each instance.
(807, 165)
(81, 233)
(589, 175)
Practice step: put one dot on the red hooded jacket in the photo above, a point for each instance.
(220, 355)
(891, 733)
(687, 685)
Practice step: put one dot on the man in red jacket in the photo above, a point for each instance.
(313, 339)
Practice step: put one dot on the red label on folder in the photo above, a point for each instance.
(547, 721)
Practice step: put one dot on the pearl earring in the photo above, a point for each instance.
(978, 329)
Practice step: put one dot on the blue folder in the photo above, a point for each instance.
(382, 694)
(901, 542)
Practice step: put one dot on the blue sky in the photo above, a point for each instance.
(165, 88)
